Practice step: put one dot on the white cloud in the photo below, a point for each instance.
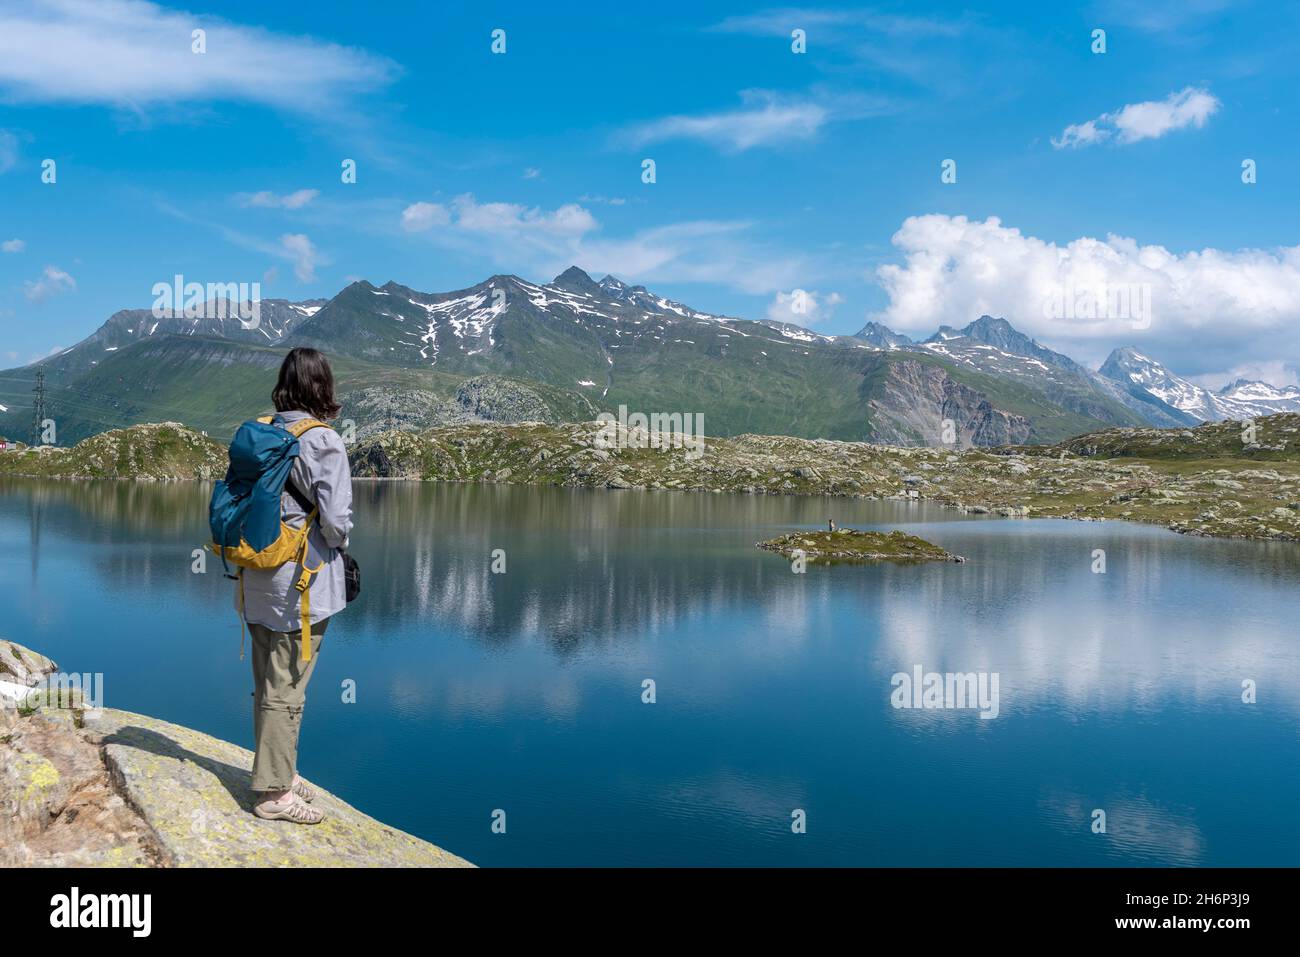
(500, 221)
(299, 250)
(1080, 134)
(1210, 309)
(132, 54)
(565, 222)
(532, 173)
(267, 199)
(766, 119)
(803, 307)
(13, 246)
(420, 217)
(1143, 121)
(53, 281)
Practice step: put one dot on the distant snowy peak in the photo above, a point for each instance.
(1130, 366)
(638, 296)
(1242, 399)
(989, 332)
(943, 334)
(274, 319)
(1251, 390)
(882, 337)
(575, 280)
(1245, 398)
(466, 321)
(614, 299)
(1135, 370)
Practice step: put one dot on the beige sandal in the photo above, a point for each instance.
(300, 788)
(296, 811)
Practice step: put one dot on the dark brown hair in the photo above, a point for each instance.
(306, 384)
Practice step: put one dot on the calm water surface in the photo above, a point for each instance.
(522, 691)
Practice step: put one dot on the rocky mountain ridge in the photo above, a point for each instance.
(580, 343)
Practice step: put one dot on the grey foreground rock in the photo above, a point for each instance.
(110, 788)
(23, 666)
(192, 790)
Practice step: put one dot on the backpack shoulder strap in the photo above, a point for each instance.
(297, 429)
(299, 496)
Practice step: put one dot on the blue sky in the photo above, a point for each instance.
(775, 170)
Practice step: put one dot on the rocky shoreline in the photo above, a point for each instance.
(1222, 479)
(1204, 481)
(85, 787)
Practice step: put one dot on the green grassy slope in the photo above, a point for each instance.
(209, 384)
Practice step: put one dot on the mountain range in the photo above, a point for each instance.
(508, 349)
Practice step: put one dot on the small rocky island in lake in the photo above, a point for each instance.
(848, 545)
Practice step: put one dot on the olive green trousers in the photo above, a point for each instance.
(280, 679)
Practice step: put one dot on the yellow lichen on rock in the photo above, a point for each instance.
(39, 774)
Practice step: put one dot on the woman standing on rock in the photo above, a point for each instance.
(320, 483)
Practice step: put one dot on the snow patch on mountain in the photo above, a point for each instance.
(1242, 399)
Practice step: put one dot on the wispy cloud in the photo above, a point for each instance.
(1152, 119)
(766, 118)
(839, 25)
(294, 248)
(267, 199)
(545, 241)
(299, 250)
(8, 150)
(1162, 17)
(931, 52)
(12, 246)
(54, 281)
(133, 54)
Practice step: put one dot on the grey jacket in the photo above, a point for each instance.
(322, 474)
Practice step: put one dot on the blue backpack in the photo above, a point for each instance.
(248, 529)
